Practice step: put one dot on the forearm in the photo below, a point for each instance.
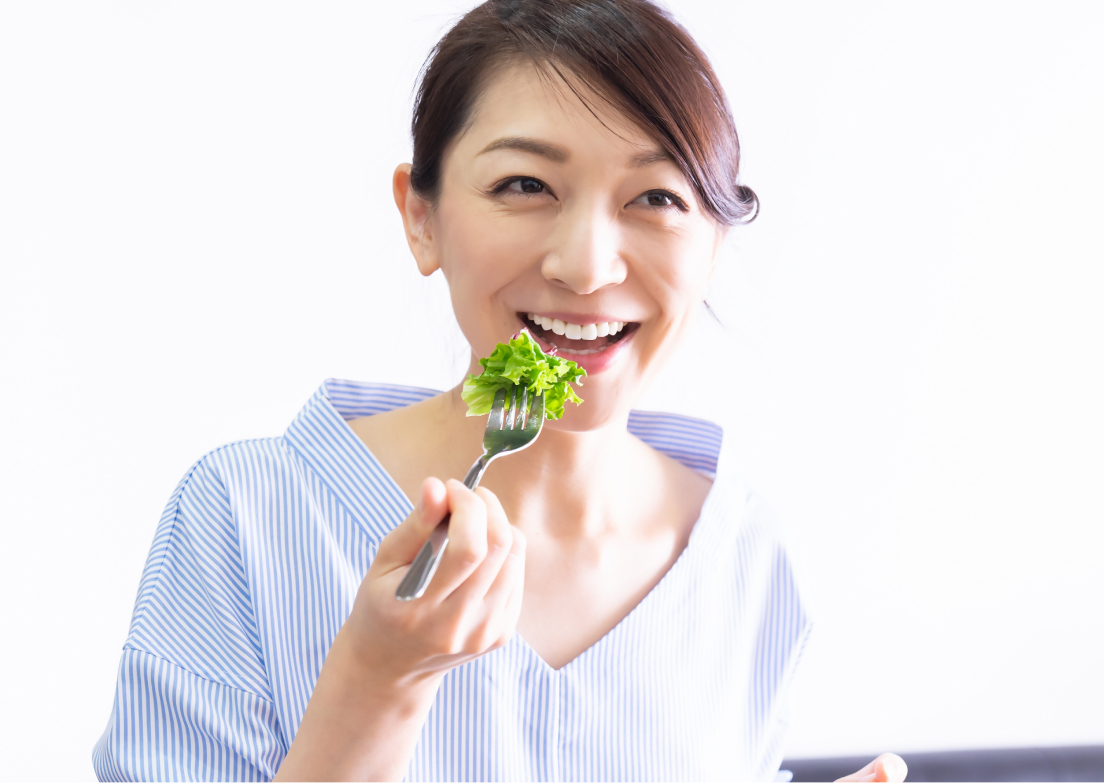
(358, 725)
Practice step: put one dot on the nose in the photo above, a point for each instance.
(586, 253)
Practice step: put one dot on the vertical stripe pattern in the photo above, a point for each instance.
(255, 565)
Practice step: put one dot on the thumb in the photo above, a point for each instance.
(893, 768)
(401, 545)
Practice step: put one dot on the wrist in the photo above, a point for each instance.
(370, 681)
(362, 722)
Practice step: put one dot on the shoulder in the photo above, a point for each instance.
(739, 512)
(204, 497)
(745, 534)
(750, 514)
(199, 524)
(223, 473)
(259, 456)
(194, 605)
(747, 514)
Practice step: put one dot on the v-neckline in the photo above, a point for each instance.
(649, 597)
(653, 595)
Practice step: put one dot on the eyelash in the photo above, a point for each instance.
(500, 187)
(676, 201)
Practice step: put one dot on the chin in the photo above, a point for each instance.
(601, 408)
(585, 421)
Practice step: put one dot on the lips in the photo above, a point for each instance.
(573, 338)
(594, 354)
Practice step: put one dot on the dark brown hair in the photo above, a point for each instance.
(629, 52)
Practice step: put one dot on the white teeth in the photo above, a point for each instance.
(577, 331)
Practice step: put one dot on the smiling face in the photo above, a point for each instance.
(575, 226)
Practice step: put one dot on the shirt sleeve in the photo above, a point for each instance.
(781, 637)
(774, 739)
(192, 701)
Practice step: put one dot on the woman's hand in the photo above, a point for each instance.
(471, 605)
(382, 672)
(887, 768)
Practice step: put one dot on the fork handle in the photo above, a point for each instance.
(429, 557)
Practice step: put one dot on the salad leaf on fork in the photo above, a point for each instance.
(522, 362)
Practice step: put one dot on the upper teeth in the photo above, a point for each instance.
(577, 331)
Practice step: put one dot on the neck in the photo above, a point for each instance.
(565, 484)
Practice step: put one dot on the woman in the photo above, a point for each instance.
(575, 163)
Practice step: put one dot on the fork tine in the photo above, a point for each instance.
(513, 410)
(494, 421)
(536, 413)
(519, 423)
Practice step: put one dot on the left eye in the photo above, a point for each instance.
(525, 185)
(657, 198)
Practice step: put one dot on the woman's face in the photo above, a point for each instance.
(582, 221)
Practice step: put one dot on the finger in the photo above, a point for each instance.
(513, 606)
(891, 768)
(506, 620)
(863, 775)
(511, 575)
(887, 768)
(500, 542)
(401, 545)
(502, 602)
(467, 543)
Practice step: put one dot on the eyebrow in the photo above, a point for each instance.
(542, 148)
(648, 158)
(560, 155)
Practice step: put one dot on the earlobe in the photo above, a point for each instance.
(416, 213)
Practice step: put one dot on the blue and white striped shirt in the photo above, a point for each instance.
(257, 560)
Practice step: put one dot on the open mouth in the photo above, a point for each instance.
(577, 339)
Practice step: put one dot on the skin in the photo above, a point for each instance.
(561, 541)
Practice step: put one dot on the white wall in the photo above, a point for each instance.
(196, 230)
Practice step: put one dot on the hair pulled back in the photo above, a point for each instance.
(629, 52)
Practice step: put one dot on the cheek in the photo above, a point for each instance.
(680, 274)
(481, 255)
(476, 254)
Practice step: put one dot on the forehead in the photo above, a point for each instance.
(518, 100)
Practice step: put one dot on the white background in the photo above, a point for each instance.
(196, 229)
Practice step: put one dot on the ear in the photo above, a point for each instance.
(416, 215)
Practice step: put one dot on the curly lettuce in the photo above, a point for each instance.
(522, 362)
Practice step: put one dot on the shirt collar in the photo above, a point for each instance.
(339, 458)
(320, 434)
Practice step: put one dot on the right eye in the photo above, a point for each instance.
(526, 185)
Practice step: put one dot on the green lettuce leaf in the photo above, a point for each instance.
(522, 362)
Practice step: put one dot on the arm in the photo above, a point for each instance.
(192, 698)
(382, 672)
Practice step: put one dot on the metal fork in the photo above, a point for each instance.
(510, 427)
